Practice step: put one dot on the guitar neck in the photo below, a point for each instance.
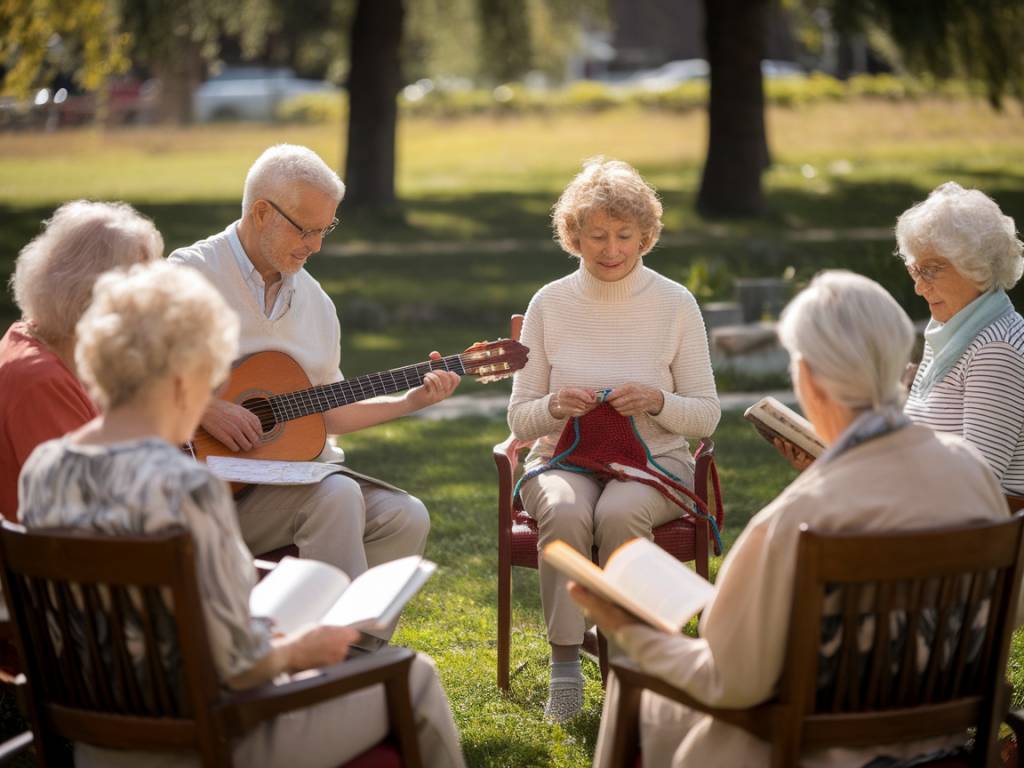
(305, 402)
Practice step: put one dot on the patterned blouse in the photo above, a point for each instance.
(142, 487)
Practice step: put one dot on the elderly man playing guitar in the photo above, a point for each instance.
(288, 209)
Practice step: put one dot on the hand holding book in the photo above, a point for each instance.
(603, 612)
(792, 435)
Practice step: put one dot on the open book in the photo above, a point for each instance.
(774, 420)
(641, 578)
(302, 592)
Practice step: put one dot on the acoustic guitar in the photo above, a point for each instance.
(275, 388)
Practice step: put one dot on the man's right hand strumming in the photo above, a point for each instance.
(236, 427)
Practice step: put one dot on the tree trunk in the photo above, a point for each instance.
(179, 72)
(373, 83)
(737, 144)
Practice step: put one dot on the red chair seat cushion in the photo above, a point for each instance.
(276, 555)
(380, 756)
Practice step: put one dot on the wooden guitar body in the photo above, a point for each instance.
(254, 380)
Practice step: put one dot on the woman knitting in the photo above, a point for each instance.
(616, 332)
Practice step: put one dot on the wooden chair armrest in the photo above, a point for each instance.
(245, 709)
(509, 448)
(506, 459)
(756, 720)
(705, 447)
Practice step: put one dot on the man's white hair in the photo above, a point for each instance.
(276, 172)
(854, 337)
(966, 227)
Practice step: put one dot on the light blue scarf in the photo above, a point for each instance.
(869, 425)
(948, 340)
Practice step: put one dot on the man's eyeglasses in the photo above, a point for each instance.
(927, 273)
(305, 234)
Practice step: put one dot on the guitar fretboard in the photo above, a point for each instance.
(305, 402)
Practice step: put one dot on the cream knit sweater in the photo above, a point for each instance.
(643, 329)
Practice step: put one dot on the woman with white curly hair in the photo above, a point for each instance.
(52, 285)
(963, 254)
(616, 334)
(151, 347)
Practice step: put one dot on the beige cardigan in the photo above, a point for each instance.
(912, 478)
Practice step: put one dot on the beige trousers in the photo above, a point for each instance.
(324, 736)
(347, 523)
(663, 726)
(584, 513)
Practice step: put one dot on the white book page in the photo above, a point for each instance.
(297, 593)
(667, 597)
(264, 472)
(373, 594)
(655, 581)
(423, 572)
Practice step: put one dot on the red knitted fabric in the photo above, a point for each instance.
(609, 447)
(606, 436)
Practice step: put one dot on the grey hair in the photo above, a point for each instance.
(854, 337)
(55, 272)
(276, 172)
(615, 188)
(147, 322)
(966, 227)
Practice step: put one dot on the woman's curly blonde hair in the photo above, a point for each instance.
(615, 188)
(147, 322)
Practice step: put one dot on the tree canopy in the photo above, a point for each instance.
(40, 39)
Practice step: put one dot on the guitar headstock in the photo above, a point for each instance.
(494, 360)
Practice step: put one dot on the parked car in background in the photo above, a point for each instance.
(673, 73)
(127, 100)
(250, 93)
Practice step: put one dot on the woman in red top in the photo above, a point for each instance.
(53, 279)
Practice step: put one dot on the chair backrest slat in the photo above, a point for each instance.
(36, 595)
(971, 604)
(76, 690)
(846, 674)
(120, 603)
(937, 646)
(880, 674)
(99, 675)
(158, 675)
(1003, 593)
(903, 695)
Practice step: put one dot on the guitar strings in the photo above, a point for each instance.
(294, 404)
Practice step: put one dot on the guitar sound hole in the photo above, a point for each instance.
(261, 407)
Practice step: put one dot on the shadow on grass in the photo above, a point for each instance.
(501, 751)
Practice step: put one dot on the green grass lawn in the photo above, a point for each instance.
(448, 464)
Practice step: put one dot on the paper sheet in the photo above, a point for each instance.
(264, 472)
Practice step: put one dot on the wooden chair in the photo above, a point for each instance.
(107, 592)
(1016, 503)
(884, 692)
(685, 538)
